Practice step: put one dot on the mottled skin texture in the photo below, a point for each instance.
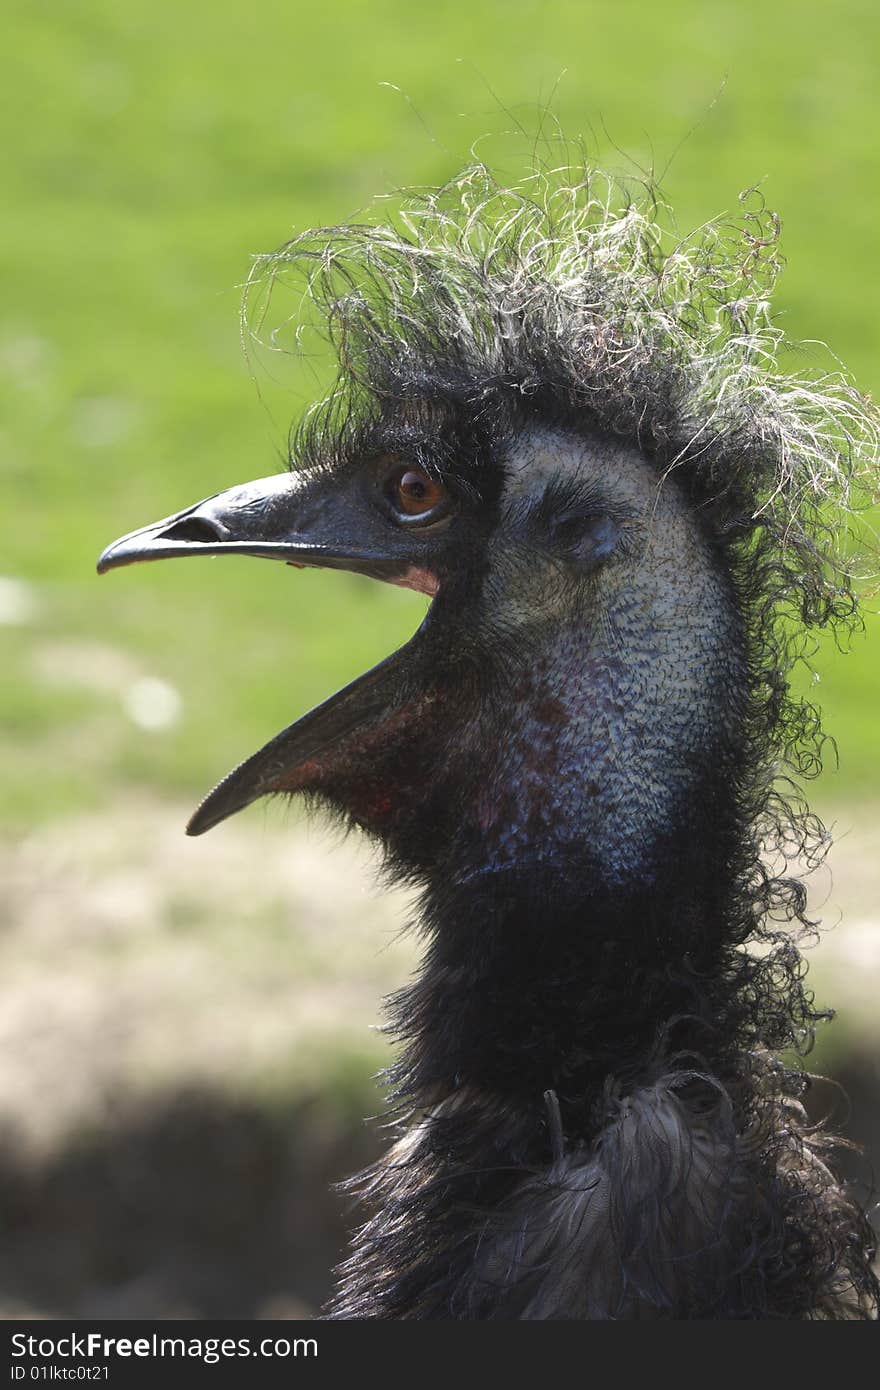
(617, 651)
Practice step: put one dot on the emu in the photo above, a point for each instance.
(570, 431)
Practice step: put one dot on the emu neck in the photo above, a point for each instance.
(542, 978)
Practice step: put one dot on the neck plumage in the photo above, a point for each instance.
(541, 977)
(588, 1129)
(541, 992)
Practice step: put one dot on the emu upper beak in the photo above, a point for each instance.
(302, 520)
(286, 517)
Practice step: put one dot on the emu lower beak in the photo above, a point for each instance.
(303, 522)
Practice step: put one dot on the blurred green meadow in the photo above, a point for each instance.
(150, 150)
(154, 148)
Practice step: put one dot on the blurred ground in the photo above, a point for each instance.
(186, 1045)
(186, 1055)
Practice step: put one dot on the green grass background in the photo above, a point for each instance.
(151, 148)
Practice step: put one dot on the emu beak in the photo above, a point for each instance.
(279, 518)
(304, 521)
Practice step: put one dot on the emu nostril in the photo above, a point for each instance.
(194, 528)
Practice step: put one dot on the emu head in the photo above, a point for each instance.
(567, 676)
(572, 440)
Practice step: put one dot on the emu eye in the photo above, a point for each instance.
(414, 493)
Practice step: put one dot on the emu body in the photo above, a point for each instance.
(574, 758)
